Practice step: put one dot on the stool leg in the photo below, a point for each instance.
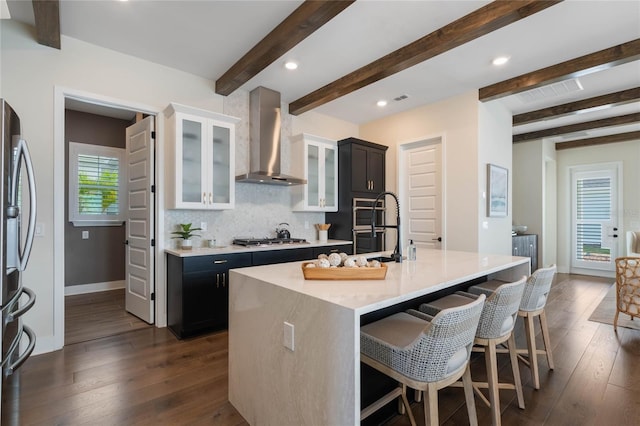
(546, 338)
(491, 362)
(468, 396)
(431, 406)
(531, 343)
(405, 401)
(615, 321)
(513, 355)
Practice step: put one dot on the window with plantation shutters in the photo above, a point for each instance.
(593, 207)
(96, 185)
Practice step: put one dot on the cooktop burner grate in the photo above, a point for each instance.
(267, 241)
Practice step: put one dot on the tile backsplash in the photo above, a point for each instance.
(258, 208)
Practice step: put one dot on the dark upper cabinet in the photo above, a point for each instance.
(367, 166)
(361, 175)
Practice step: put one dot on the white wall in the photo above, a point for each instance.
(456, 121)
(626, 152)
(495, 147)
(30, 74)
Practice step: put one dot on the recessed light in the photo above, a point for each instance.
(500, 60)
(291, 65)
(381, 103)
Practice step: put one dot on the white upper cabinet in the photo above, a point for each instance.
(200, 153)
(316, 159)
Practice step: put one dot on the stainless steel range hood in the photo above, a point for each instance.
(264, 144)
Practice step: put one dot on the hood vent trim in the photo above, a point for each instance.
(264, 141)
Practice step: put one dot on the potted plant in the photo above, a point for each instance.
(186, 232)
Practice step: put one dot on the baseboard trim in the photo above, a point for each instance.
(93, 287)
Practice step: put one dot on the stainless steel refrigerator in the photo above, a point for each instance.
(17, 229)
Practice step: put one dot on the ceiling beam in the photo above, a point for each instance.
(587, 125)
(577, 67)
(306, 19)
(47, 19)
(476, 24)
(601, 140)
(604, 101)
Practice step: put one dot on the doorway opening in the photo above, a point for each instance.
(97, 255)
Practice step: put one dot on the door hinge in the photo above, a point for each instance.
(126, 242)
(153, 188)
(153, 135)
(153, 242)
(153, 296)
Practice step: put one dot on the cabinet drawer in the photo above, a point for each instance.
(281, 256)
(346, 248)
(216, 263)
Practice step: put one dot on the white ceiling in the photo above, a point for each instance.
(207, 37)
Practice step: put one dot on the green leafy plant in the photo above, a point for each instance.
(186, 231)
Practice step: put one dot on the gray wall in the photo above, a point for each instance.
(101, 258)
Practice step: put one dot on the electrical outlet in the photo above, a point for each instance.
(203, 225)
(288, 336)
(85, 235)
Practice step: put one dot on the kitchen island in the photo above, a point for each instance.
(294, 344)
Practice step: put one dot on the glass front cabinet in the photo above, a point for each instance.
(201, 159)
(316, 159)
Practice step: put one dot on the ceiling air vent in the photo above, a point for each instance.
(401, 98)
(550, 91)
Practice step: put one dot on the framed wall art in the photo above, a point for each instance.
(497, 191)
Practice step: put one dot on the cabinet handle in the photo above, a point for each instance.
(210, 198)
(204, 198)
(217, 280)
(515, 249)
(224, 280)
(373, 186)
(217, 262)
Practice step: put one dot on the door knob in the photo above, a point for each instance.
(437, 239)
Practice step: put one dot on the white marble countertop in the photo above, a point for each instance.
(434, 270)
(231, 249)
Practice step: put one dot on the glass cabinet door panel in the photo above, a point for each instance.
(313, 180)
(329, 176)
(191, 161)
(221, 170)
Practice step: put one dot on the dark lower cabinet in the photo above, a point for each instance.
(526, 246)
(198, 292)
(198, 286)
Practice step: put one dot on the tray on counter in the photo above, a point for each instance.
(344, 273)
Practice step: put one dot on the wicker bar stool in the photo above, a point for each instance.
(627, 288)
(496, 325)
(424, 352)
(533, 302)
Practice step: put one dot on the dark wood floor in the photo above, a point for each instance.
(94, 315)
(148, 377)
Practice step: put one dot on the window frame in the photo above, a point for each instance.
(77, 219)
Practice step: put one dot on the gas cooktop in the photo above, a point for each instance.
(267, 241)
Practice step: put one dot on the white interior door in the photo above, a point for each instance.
(421, 187)
(139, 230)
(594, 194)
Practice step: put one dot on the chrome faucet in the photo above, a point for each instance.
(397, 252)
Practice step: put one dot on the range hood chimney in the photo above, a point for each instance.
(264, 144)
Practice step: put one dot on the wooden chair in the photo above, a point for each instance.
(534, 299)
(627, 288)
(424, 352)
(496, 326)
